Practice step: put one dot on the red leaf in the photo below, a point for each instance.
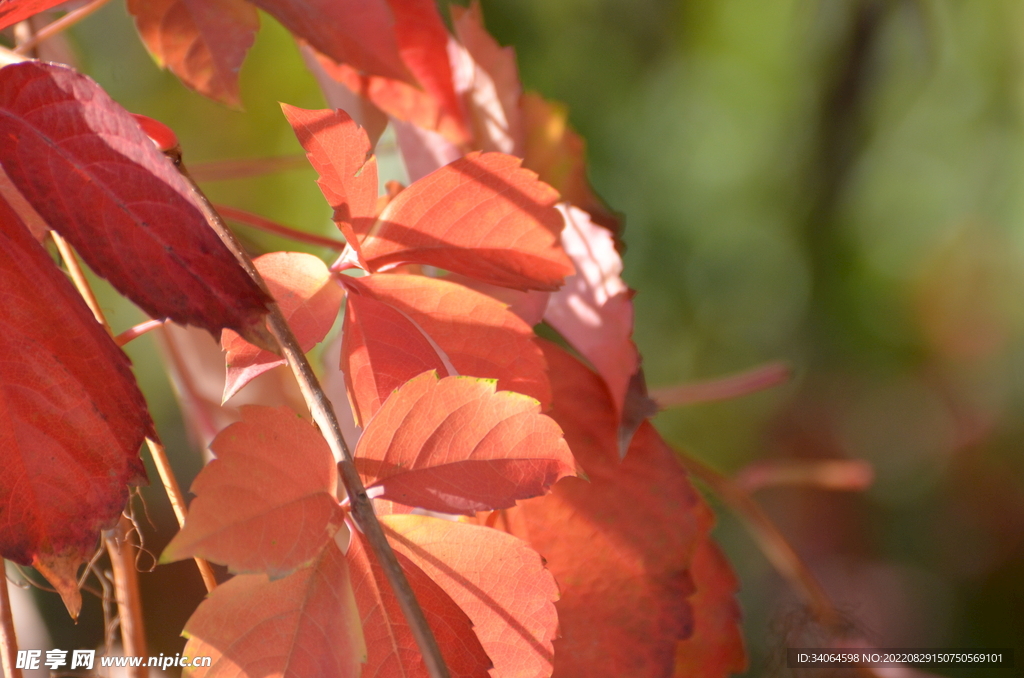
(358, 32)
(203, 42)
(303, 626)
(479, 336)
(83, 163)
(381, 350)
(496, 579)
(423, 45)
(13, 11)
(308, 297)
(594, 310)
(620, 545)
(392, 648)
(455, 445)
(71, 417)
(267, 502)
(339, 151)
(715, 650)
(482, 216)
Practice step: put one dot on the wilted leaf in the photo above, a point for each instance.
(455, 445)
(496, 579)
(203, 42)
(303, 626)
(483, 216)
(71, 417)
(85, 165)
(267, 502)
(479, 335)
(339, 151)
(381, 350)
(309, 299)
(594, 309)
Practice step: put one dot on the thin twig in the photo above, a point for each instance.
(78, 278)
(137, 331)
(8, 640)
(844, 475)
(243, 168)
(121, 548)
(323, 414)
(61, 24)
(264, 224)
(773, 544)
(722, 388)
(163, 467)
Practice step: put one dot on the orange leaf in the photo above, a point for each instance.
(483, 216)
(203, 42)
(309, 299)
(499, 581)
(339, 151)
(71, 417)
(303, 626)
(392, 648)
(381, 350)
(479, 335)
(715, 650)
(620, 545)
(455, 445)
(267, 502)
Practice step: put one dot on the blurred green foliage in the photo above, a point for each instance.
(838, 184)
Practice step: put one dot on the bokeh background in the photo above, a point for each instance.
(835, 183)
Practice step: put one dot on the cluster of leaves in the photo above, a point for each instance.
(582, 548)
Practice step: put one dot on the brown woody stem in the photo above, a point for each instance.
(163, 467)
(323, 414)
(264, 224)
(773, 544)
(8, 641)
(122, 549)
(61, 24)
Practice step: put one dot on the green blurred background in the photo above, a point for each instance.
(833, 183)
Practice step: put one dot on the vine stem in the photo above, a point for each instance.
(722, 388)
(323, 415)
(264, 224)
(123, 550)
(8, 640)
